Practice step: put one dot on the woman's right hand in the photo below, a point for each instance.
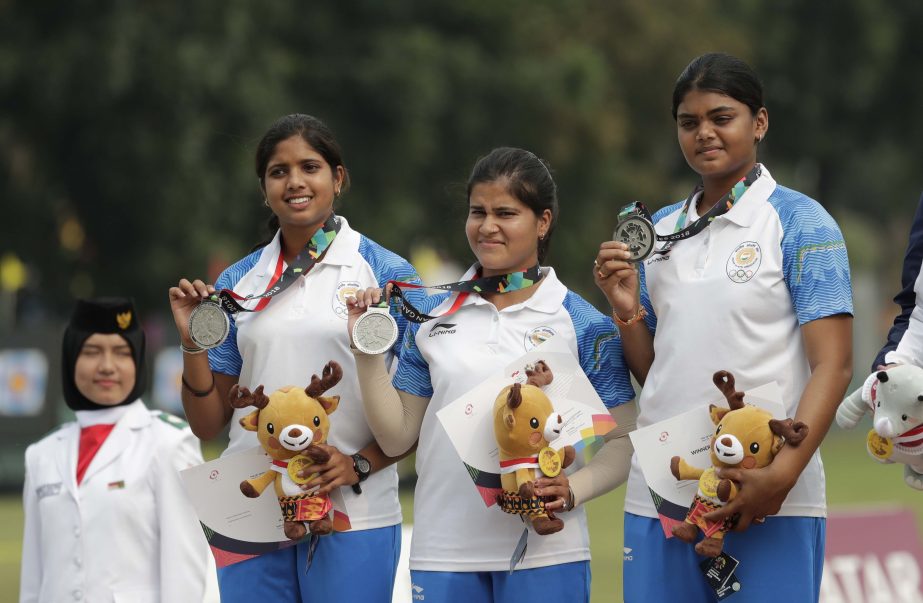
(184, 297)
(617, 278)
(360, 302)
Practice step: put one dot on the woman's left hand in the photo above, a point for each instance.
(336, 472)
(761, 493)
(557, 490)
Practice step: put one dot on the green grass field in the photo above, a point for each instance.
(853, 479)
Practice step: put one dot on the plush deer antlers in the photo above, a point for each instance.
(330, 376)
(725, 382)
(241, 397)
(539, 374)
(788, 429)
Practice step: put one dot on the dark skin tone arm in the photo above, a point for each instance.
(338, 471)
(828, 345)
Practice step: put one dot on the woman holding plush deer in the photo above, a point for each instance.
(461, 548)
(280, 341)
(761, 289)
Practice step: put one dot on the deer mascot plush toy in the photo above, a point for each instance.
(895, 399)
(525, 423)
(289, 424)
(746, 437)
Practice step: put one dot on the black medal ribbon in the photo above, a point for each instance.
(501, 283)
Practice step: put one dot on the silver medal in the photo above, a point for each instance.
(375, 331)
(638, 233)
(208, 325)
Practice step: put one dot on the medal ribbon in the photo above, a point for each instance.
(724, 204)
(501, 283)
(302, 264)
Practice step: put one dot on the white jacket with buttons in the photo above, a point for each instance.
(128, 531)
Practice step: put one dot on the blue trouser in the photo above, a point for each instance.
(568, 582)
(347, 566)
(780, 560)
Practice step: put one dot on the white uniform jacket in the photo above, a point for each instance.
(128, 532)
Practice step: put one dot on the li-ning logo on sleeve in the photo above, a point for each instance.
(443, 328)
(744, 262)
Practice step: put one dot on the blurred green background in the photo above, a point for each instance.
(128, 130)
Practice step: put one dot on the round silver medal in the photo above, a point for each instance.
(639, 235)
(208, 325)
(375, 331)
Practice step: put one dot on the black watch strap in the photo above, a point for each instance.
(363, 469)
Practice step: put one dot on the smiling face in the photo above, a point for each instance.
(718, 135)
(105, 369)
(300, 185)
(502, 231)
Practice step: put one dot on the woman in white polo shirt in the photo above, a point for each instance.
(764, 292)
(461, 548)
(301, 172)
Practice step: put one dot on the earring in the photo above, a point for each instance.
(265, 201)
(759, 138)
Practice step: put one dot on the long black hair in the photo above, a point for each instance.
(721, 73)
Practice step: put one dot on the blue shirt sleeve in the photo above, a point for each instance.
(814, 260)
(388, 266)
(226, 358)
(600, 351)
(412, 375)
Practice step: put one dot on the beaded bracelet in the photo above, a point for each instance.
(195, 392)
(190, 350)
(641, 313)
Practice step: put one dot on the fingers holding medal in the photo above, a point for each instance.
(372, 329)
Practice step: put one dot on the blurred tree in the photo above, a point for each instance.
(129, 127)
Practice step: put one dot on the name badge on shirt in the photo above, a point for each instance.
(46, 490)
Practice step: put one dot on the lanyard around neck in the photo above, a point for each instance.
(305, 260)
(501, 283)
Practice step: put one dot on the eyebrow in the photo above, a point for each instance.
(721, 109)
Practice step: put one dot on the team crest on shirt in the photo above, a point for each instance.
(344, 289)
(537, 336)
(744, 261)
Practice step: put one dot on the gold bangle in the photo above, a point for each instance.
(641, 313)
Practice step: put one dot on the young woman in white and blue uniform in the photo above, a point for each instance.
(461, 549)
(301, 172)
(764, 292)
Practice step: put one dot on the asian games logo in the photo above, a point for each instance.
(344, 289)
(744, 262)
(537, 336)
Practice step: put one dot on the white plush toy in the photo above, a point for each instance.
(895, 399)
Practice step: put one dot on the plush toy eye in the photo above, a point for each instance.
(270, 428)
(718, 430)
(316, 421)
(903, 417)
(533, 423)
(754, 447)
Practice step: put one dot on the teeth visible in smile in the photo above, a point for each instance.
(298, 200)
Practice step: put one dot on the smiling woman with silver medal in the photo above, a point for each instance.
(500, 309)
(746, 276)
(271, 320)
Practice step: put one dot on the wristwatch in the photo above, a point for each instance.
(363, 469)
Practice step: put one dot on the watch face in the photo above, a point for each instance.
(208, 325)
(375, 332)
(363, 465)
(638, 234)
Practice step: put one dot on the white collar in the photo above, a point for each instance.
(548, 295)
(105, 416)
(340, 252)
(743, 212)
